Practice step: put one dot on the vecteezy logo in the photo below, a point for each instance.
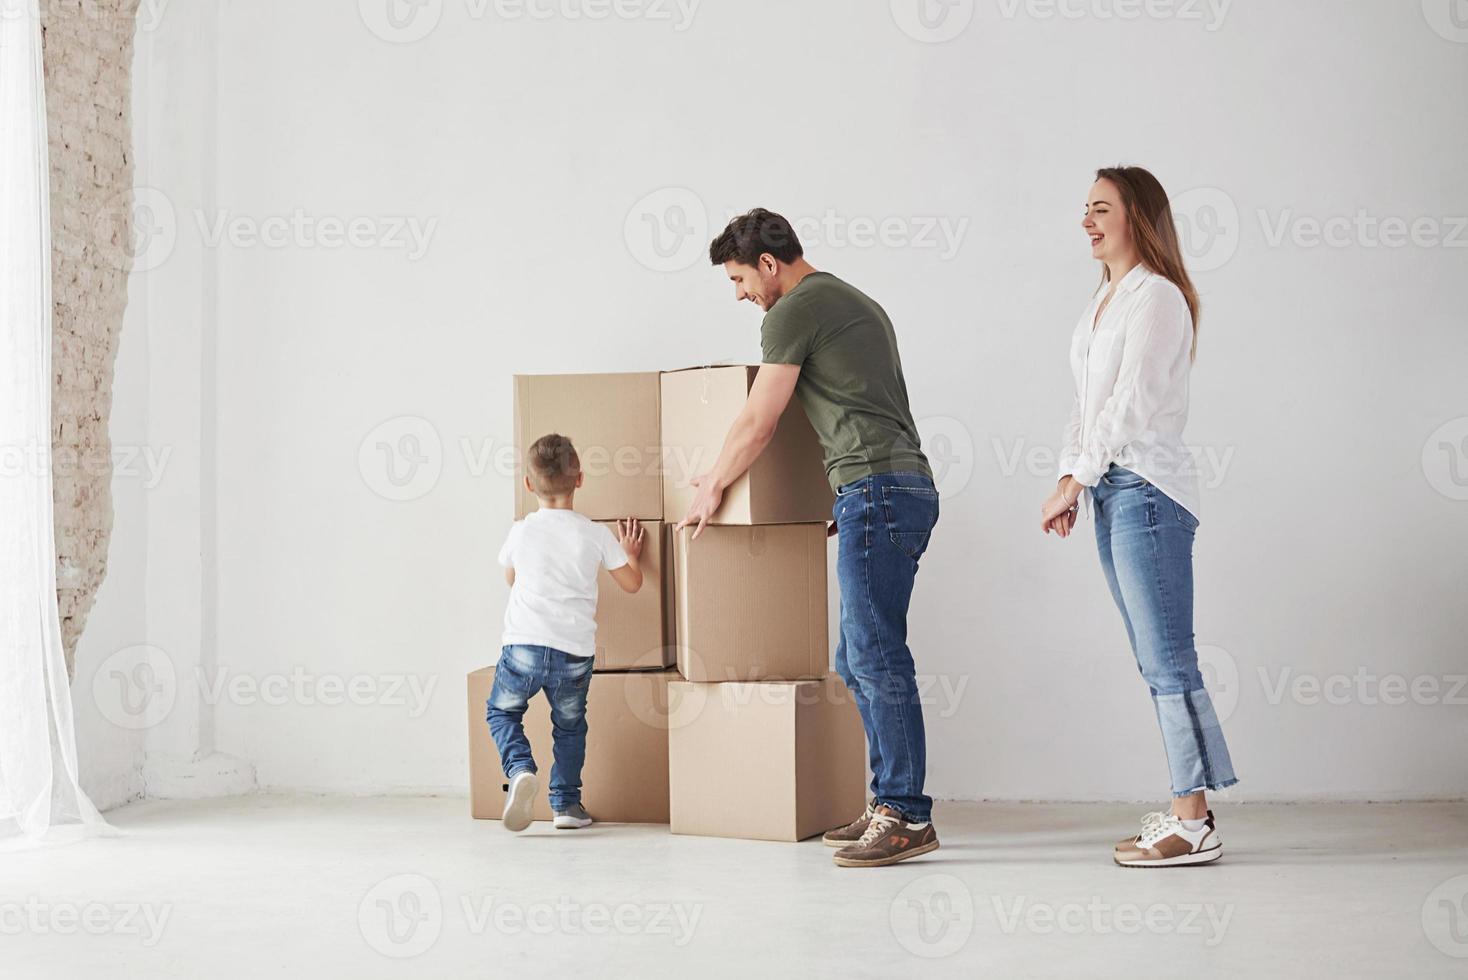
(1445, 917)
(933, 21)
(401, 21)
(136, 229)
(402, 916)
(1221, 679)
(1207, 227)
(402, 458)
(1445, 459)
(667, 231)
(136, 687)
(949, 446)
(933, 916)
(1449, 18)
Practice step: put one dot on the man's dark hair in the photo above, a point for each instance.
(753, 234)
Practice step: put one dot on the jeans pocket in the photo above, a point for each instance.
(582, 678)
(570, 692)
(1119, 479)
(912, 513)
(1184, 517)
(513, 687)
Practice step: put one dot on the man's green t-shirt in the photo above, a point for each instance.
(850, 377)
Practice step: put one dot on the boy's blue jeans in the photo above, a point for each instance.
(1146, 544)
(883, 524)
(520, 673)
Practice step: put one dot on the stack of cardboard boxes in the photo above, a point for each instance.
(750, 736)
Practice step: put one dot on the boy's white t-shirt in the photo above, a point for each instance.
(556, 555)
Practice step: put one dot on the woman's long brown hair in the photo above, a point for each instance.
(1149, 214)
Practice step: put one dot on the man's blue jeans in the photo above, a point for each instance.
(521, 672)
(883, 524)
(1146, 543)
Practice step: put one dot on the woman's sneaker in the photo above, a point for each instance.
(851, 833)
(1169, 843)
(1149, 820)
(520, 801)
(574, 817)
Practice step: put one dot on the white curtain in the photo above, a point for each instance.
(41, 801)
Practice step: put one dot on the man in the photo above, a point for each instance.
(834, 347)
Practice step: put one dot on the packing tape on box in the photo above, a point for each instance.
(708, 370)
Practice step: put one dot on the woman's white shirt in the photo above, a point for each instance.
(1131, 373)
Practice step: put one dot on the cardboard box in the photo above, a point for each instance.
(751, 602)
(613, 420)
(637, 632)
(765, 761)
(625, 779)
(786, 485)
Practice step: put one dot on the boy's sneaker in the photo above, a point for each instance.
(574, 817)
(889, 838)
(1169, 843)
(520, 800)
(849, 834)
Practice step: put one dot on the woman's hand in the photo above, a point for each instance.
(1063, 524)
(1059, 512)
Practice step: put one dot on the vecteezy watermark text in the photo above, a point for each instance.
(403, 916)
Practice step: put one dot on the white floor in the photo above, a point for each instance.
(296, 886)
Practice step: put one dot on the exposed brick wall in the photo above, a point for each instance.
(88, 52)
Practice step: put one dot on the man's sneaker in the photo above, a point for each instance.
(574, 817)
(520, 800)
(888, 839)
(851, 833)
(1168, 843)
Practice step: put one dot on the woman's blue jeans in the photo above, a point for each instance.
(1146, 543)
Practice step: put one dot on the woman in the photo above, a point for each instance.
(1131, 355)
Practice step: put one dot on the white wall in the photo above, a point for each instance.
(529, 146)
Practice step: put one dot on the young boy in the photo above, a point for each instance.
(551, 560)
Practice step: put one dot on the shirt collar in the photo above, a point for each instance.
(1134, 279)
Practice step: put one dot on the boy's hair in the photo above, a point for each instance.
(553, 466)
(753, 234)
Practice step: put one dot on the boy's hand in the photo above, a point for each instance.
(630, 533)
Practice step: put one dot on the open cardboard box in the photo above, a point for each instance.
(786, 485)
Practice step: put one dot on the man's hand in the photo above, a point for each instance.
(705, 503)
(630, 534)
